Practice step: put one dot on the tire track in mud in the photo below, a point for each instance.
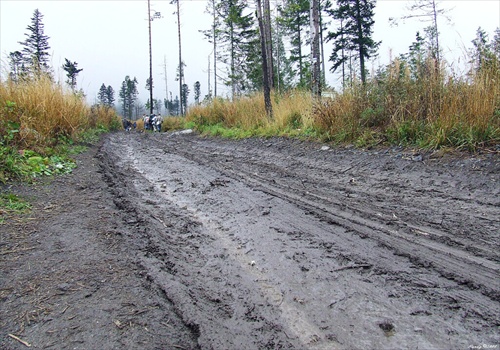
(404, 238)
(325, 274)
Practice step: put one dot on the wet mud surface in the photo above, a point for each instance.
(167, 241)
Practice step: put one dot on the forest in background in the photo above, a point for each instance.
(414, 100)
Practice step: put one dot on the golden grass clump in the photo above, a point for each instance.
(293, 110)
(245, 112)
(43, 112)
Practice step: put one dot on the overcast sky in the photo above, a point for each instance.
(109, 39)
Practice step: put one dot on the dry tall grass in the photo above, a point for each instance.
(43, 112)
(431, 110)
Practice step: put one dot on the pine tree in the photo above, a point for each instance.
(16, 64)
(184, 95)
(128, 96)
(102, 96)
(294, 20)
(71, 72)
(355, 33)
(416, 57)
(176, 106)
(106, 96)
(197, 92)
(110, 96)
(235, 39)
(495, 44)
(481, 53)
(36, 46)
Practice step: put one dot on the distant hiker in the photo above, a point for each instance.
(152, 121)
(158, 122)
(127, 125)
(145, 118)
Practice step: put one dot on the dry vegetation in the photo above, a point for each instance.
(42, 112)
(432, 110)
(38, 119)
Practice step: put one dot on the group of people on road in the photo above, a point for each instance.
(152, 122)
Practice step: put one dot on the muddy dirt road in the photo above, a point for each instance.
(186, 242)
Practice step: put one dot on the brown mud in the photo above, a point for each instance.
(174, 241)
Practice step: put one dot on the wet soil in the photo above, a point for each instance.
(174, 241)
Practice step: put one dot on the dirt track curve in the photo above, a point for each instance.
(279, 244)
(286, 244)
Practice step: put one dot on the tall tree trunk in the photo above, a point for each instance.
(343, 54)
(360, 39)
(215, 51)
(232, 64)
(323, 76)
(267, 88)
(299, 33)
(434, 13)
(316, 78)
(268, 43)
(150, 64)
(181, 69)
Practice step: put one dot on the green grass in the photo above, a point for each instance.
(10, 204)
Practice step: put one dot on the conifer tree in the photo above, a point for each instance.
(234, 34)
(294, 21)
(110, 96)
(197, 92)
(184, 97)
(16, 64)
(355, 33)
(36, 46)
(481, 53)
(71, 72)
(102, 96)
(128, 96)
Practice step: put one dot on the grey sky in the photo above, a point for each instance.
(109, 39)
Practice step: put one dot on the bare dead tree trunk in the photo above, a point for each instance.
(267, 88)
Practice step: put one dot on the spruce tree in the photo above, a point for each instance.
(197, 92)
(481, 53)
(71, 72)
(294, 21)
(128, 96)
(184, 97)
(36, 46)
(17, 67)
(102, 96)
(234, 36)
(110, 96)
(355, 33)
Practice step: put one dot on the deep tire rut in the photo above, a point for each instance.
(275, 244)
